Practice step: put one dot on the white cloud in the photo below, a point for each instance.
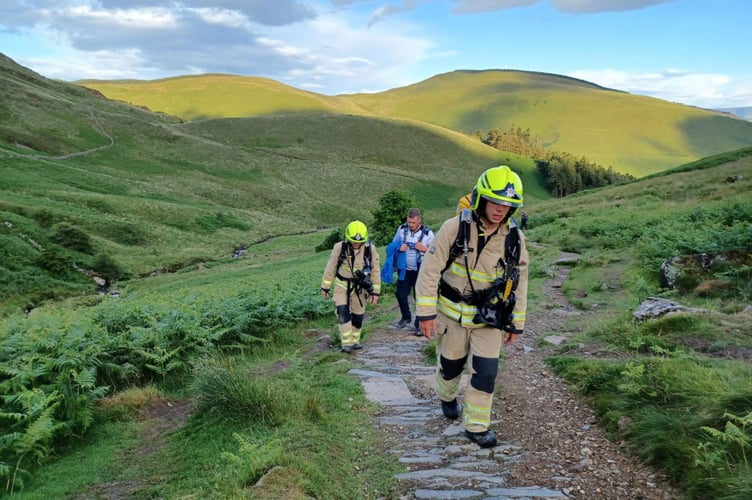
(223, 17)
(595, 6)
(573, 6)
(475, 6)
(341, 58)
(387, 10)
(707, 90)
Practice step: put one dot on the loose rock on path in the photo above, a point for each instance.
(549, 443)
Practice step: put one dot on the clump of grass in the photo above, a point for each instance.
(252, 460)
(226, 388)
(130, 403)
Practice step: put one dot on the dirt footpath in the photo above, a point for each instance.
(550, 445)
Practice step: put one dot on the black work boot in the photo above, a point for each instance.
(485, 439)
(451, 409)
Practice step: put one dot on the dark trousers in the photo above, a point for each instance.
(404, 288)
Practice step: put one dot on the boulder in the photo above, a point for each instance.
(655, 307)
(686, 272)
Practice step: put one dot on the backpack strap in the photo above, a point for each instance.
(423, 231)
(512, 248)
(462, 240)
(367, 254)
(512, 245)
(342, 257)
(403, 227)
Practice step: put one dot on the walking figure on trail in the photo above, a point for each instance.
(353, 269)
(523, 220)
(411, 239)
(472, 297)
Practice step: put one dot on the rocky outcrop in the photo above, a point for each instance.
(655, 307)
(686, 272)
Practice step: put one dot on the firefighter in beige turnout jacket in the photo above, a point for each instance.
(354, 271)
(445, 305)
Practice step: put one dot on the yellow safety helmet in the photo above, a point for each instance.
(499, 185)
(356, 232)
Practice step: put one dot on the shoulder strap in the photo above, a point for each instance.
(367, 254)
(512, 245)
(342, 255)
(462, 241)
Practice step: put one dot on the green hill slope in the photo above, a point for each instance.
(633, 134)
(217, 96)
(155, 194)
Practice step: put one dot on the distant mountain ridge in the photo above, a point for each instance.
(741, 112)
(633, 134)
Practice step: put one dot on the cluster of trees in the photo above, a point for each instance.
(514, 140)
(563, 173)
(387, 216)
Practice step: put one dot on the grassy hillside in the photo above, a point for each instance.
(217, 96)
(155, 194)
(633, 134)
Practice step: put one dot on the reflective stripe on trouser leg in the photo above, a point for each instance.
(477, 416)
(451, 351)
(357, 310)
(345, 324)
(485, 346)
(346, 335)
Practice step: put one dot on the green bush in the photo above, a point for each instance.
(72, 238)
(108, 269)
(390, 213)
(330, 240)
(57, 261)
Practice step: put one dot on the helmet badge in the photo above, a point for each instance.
(510, 191)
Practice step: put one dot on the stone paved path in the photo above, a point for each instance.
(440, 462)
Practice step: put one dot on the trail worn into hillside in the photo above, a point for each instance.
(550, 445)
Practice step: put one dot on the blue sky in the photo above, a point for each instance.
(694, 52)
